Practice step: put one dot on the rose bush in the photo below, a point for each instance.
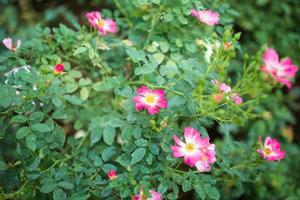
(106, 110)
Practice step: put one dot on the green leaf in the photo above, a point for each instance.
(141, 142)
(36, 116)
(56, 100)
(18, 119)
(59, 194)
(200, 191)
(135, 55)
(3, 166)
(84, 94)
(47, 185)
(146, 69)
(107, 153)
(79, 50)
(66, 185)
(72, 99)
(154, 149)
(159, 57)
(22, 132)
(116, 122)
(96, 135)
(138, 155)
(40, 127)
(7, 95)
(186, 186)
(109, 134)
(31, 141)
(211, 191)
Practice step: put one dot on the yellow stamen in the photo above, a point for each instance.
(101, 23)
(189, 147)
(150, 99)
(268, 151)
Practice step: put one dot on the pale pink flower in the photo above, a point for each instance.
(208, 17)
(236, 98)
(112, 174)
(208, 155)
(8, 43)
(104, 26)
(223, 87)
(154, 195)
(59, 68)
(281, 70)
(150, 100)
(271, 149)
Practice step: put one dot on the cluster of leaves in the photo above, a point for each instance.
(63, 133)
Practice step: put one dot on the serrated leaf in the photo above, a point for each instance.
(84, 94)
(18, 119)
(72, 99)
(47, 185)
(107, 153)
(31, 141)
(79, 50)
(211, 191)
(59, 194)
(138, 155)
(200, 191)
(3, 166)
(109, 134)
(40, 127)
(22, 132)
(66, 185)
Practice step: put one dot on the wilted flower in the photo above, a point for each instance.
(8, 43)
(150, 100)
(270, 149)
(208, 17)
(112, 174)
(59, 68)
(281, 70)
(102, 25)
(195, 151)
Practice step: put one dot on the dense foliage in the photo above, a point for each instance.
(89, 111)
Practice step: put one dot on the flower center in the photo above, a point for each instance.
(189, 147)
(268, 151)
(150, 99)
(101, 22)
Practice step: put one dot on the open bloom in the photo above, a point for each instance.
(150, 100)
(196, 150)
(112, 174)
(8, 43)
(271, 149)
(208, 17)
(104, 26)
(59, 68)
(154, 196)
(281, 70)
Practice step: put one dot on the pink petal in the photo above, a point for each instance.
(191, 135)
(7, 43)
(178, 141)
(152, 110)
(270, 56)
(155, 195)
(177, 151)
